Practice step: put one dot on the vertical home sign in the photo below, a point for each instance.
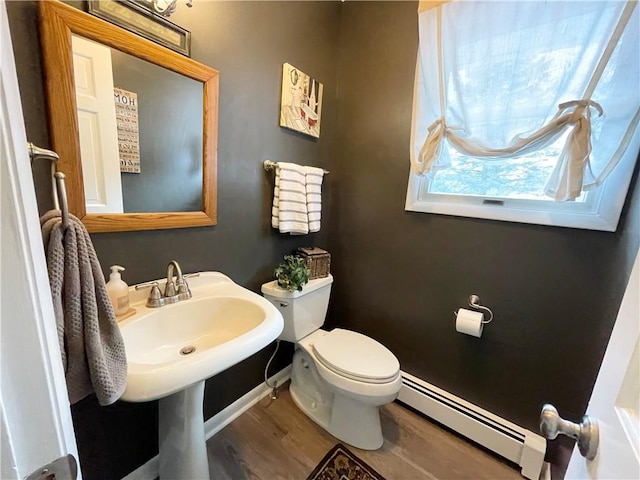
(128, 137)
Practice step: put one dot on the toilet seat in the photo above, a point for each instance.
(356, 356)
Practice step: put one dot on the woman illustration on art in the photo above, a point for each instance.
(296, 93)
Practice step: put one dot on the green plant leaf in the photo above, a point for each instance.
(292, 274)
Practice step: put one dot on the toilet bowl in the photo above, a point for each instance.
(339, 378)
(346, 407)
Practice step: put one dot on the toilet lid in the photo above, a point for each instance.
(356, 356)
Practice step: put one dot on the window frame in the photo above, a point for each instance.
(601, 210)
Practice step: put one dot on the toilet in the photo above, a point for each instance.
(340, 378)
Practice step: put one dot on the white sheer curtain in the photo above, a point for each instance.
(498, 80)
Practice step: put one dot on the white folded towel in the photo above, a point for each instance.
(289, 211)
(313, 181)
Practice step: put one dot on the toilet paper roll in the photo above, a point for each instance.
(469, 322)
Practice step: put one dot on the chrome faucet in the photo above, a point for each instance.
(173, 291)
(170, 287)
(179, 289)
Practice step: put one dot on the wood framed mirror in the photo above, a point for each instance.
(60, 26)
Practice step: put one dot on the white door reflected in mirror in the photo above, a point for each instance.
(92, 70)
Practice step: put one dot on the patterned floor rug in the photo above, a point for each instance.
(341, 464)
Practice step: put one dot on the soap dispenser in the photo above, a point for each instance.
(118, 291)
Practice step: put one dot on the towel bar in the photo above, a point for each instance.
(269, 165)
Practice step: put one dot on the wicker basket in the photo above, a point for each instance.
(318, 261)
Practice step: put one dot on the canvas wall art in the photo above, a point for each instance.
(128, 130)
(301, 103)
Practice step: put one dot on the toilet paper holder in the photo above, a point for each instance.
(474, 302)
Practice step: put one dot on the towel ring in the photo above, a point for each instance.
(57, 180)
(61, 194)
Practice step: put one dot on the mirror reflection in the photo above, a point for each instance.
(141, 134)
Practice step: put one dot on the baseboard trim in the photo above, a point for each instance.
(149, 470)
(244, 403)
(218, 421)
(519, 445)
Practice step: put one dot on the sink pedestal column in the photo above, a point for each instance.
(183, 451)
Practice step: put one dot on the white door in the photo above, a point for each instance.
(615, 401)
(93, 76)
(35, 418)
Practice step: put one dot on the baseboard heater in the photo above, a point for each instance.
(508, 440)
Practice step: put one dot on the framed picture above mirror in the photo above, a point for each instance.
(142, 21)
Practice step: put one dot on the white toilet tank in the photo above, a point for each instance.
(303, 312)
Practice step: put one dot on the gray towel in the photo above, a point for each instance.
(92, 348)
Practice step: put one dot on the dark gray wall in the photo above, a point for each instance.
(247, 42)
(170, 116)
(400, 275)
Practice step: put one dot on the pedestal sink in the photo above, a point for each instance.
(172, 350)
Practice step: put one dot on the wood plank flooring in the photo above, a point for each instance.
(274, 440)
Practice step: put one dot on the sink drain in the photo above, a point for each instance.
(187, 350)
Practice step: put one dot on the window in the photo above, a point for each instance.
(526, 111)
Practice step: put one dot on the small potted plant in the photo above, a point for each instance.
(292, 274)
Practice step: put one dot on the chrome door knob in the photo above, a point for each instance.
(586, 433)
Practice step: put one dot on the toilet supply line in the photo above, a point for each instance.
(274, 387)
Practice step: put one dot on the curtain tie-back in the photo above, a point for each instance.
(437, 123)
(580, 107)
(431, 148)
(567, 178)
(442, 123)
(430, 155)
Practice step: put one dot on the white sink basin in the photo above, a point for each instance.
(223, 323)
